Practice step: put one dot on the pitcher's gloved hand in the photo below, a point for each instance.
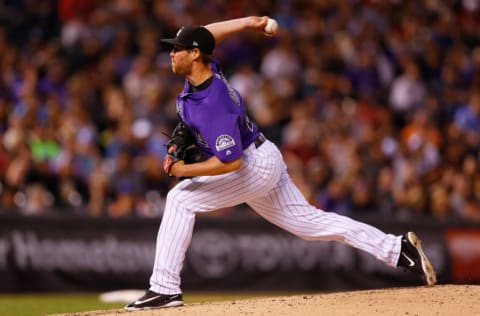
(182, 146)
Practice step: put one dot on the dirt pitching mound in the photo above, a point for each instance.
(438, 300)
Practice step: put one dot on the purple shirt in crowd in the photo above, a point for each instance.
(217, 116)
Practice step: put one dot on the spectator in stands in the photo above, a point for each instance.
(407, 92)
(467, 119)
(126, 185)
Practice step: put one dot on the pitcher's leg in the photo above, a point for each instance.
(173, 238)
(201, 194)
(286, 207)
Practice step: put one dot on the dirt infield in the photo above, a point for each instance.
(449, 300)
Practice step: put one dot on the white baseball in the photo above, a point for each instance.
(271, 28)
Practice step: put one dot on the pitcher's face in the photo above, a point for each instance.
(181, 60)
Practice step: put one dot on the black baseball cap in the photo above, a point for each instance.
(193, 36)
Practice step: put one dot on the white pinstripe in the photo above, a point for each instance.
(264, 184)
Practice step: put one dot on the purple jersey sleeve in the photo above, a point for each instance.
(223, 137)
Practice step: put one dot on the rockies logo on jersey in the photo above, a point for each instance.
(223, 142)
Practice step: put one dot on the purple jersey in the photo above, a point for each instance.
(217, 115)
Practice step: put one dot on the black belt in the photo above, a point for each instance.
(259, 141)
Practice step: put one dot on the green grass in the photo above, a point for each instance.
(44, 304)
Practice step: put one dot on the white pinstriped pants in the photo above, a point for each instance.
(264, 184)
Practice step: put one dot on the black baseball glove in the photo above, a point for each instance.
(182, 146)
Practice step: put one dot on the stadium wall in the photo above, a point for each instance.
(49, 254)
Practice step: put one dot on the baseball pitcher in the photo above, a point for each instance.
(236, 164)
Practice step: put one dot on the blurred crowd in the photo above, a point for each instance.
(375, 104)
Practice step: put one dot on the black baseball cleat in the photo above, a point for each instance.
(154, 300)
(414, 259)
